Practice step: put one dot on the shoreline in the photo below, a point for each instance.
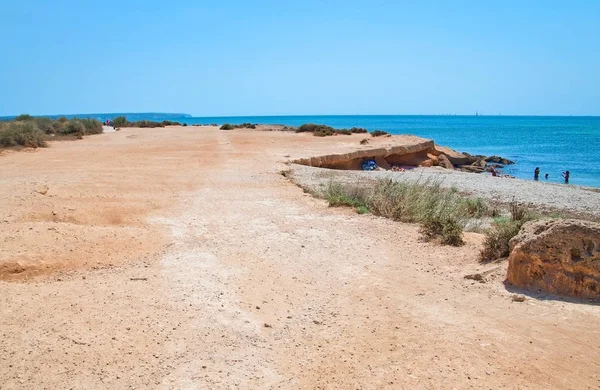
(548, 197)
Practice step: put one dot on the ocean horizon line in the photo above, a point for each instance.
(185, 115)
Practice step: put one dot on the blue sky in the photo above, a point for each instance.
(210, 58)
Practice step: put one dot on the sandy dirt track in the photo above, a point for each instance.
(182, 258)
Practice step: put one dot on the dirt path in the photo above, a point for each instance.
(243, 281)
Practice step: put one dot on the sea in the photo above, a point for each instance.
(555, 144)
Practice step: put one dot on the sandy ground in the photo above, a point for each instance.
(182, 258)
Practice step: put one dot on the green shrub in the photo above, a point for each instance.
(338, 195)
(447, 230)
(171, 123)
(92, 126)
(58, 126)
(476, 207)
(46, 124)
(120, 121)
(313, 128)
(323, 133)
(24, 117)
(358, 130)
(343, 131)
(496, 243)
(146, 124)
(362, 210)
(441, 212)
(74, 126)
(22, 133)
(184, 125)
(227, 126)
(364, 141)
(245, 126)
(378, 133)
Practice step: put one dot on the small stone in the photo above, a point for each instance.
(517, 298)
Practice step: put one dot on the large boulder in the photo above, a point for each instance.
(557, 256)
(456, 158)
(443, 161)
(499, 160)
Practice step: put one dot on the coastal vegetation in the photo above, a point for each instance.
(246, 125)
(379, 133)
(28, 131)
(324, 130)
(497, 237)
(121, 121)
(441, 212)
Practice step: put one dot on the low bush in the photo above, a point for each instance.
(441, 212)
(35, 131)
(92, 126)
(447, 230)
(22, 133)
(358, 130)
(497, 238)
(24, 117)
(476, 207)
(312, 128)
(343, 131)
(47, 125)
(496, 243)
(338, 195)
(325, 131)
(364, 141)
(378, 133)
(171, 123)
(246, 125)
(74, 126)
(120, 121)
(145, 124)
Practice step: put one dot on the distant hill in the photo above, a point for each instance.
(134, 116)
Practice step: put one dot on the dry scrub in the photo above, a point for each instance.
(497, 238)
(441, 212)
(29, 131)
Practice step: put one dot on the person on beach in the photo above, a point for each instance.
(566, 176)
(536, 173)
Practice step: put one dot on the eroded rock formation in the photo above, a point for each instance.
(414, 154)
(557, 256)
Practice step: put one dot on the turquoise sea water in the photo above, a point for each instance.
(554, 144)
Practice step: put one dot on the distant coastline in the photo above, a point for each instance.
(555, 144)
(143, 115)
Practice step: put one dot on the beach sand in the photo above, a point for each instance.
(181, 257)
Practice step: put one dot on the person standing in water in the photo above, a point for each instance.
(566, 176)
(536, 173)
(546, 176)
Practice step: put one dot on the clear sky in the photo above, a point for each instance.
(210, 58)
